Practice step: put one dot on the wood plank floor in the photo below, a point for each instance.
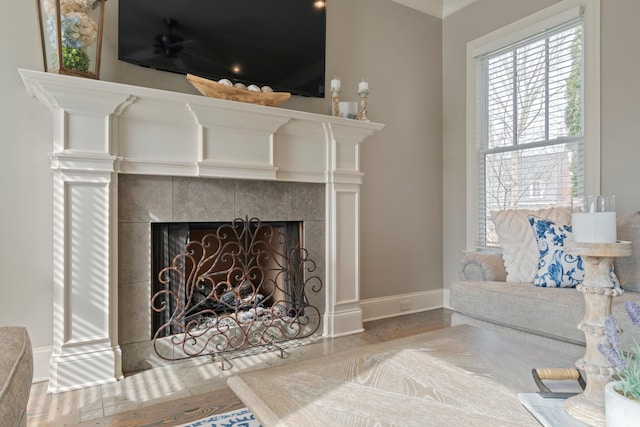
(102, 406)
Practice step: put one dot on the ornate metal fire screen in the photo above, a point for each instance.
(243, 285)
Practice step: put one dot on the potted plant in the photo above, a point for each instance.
(622, 396)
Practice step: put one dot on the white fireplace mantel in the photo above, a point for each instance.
(102, 129)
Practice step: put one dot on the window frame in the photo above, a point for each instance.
(548, 18)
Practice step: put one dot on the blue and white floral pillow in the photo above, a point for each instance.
(555, 267)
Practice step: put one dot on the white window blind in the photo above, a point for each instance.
(529, 125)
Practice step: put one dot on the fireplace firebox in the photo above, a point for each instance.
(221, 287)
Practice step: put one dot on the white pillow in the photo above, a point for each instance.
(518, 243)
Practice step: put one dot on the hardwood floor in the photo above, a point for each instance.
(173, 413)
(190, 391)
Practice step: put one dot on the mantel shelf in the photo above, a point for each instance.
(155, 131)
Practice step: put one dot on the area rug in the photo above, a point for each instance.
(239, 418)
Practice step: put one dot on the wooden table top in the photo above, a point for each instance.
(454, 376)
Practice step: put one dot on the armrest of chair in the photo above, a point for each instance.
(16, 375)
(482, 266)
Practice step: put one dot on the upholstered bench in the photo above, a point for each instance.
(487, 297)
(16, 375)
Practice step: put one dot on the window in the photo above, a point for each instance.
(536, 190)
(528, 135)
(530, 125)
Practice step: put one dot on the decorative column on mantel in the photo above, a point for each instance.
(101, 129)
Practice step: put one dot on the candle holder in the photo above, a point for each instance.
(362, 110)
(599, 290)
(335, 102)
(335, 96)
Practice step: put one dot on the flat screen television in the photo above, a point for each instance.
(276, 43)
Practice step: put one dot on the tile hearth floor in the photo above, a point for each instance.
(194, 377)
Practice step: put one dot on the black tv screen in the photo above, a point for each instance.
(276, 43)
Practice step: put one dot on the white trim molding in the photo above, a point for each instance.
(398, 305)
(430, 7)
(450, 7)
(438, 8)
(41, 359)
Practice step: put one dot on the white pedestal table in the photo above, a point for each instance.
(599, 290)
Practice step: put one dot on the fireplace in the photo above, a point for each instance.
(243, 285)
(104, 132)
(177, 209)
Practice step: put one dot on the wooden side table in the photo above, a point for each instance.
(599, 290)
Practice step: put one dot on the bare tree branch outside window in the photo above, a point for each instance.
(534, 125)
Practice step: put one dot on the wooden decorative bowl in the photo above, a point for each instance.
(216, 90)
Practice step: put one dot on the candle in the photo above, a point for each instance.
(363, 85)
(594, 219)
(594, 227)
(335, 83)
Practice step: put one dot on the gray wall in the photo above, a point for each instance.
(620, 90)
(397, 49)
(26, 243)
(621, 102)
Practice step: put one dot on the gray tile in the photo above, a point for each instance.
(251, 360)
(199, 199)
(314, 241)
(201, 386)
(144, 198)
(307, 201)
(201, 377)
(266, 200)
(65, 408)
(134, 252)
(142, 389)
(141, 356)
(91, 414)
(134, 313)
(294, 350)
(316, 299)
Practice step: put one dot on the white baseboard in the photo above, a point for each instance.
(446, 301)
(41, 358)
(398, 305)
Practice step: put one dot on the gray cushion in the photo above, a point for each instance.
(16, 374)
(549, 312)
(482, 266)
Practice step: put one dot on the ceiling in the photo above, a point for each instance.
(437, 8)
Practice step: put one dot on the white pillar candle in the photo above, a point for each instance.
(363, 85)
(594, 227)
(335, 84)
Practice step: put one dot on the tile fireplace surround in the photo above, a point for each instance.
(103, 129)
